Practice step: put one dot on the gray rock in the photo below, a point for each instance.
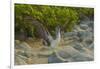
(78, 46)
(83, 26)
(91, 24)
(91, 46)
(69, 34)
(85, 22)
(77, 28)
(85, 35)
(70, 54)
(20, 60)
(24, 49)
(53, 59)
(23, 46)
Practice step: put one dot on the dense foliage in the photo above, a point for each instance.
(49, 16)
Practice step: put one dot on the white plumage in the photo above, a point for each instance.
(55, 42)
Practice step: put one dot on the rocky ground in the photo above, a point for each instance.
(75, 46)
